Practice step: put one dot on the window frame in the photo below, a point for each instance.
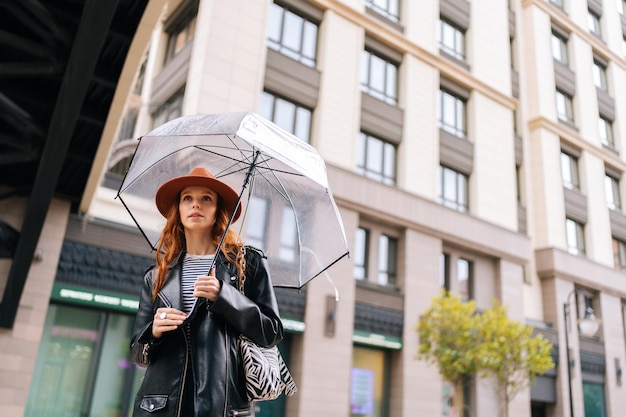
(594, 23)
(460, 202)
(574, 237)
(386, 175)
(458, 126)
(280, 18)
(386, 11)
(457, 49)
(612, 192)
(302, 120)
(391, 70)
(564, 105)
(561, 47)
(450, 261)
(361, 250)
(600, 75)
(388, 264)
(183, 22)
(373, 232)
(570, 174)
(605, 132)
(619, 254)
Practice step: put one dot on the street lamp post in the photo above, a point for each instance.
(588, 327)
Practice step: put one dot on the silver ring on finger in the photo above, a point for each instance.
(163, 315)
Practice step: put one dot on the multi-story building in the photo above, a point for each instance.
(475, 146)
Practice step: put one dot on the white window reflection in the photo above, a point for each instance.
(256, 222)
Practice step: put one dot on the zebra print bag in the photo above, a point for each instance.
(267, 375)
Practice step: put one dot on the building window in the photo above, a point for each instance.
(452, 110)
(181, 32)
(453, 189)
(169, 110)
(569, 171)
(619, 254)
(559, 48)
(599, 75)
(288, 250)
(369, 382)
(564, 107)
(78, 343)
(605, 130)
(595, 403)
(387, 260)
(361, 253)
(289, 115)
(390, 9)
(444, 271)
(292, 35)
(459, 280)
(574, 237)
(464, 279)
(611, 189)
(379, 77)
(256, 224)
(451, 40)
(593, 23)
(376, 159)
(376, 247)
(557, 3)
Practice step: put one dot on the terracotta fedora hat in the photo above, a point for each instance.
(167, 193)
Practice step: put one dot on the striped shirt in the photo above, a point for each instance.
(193, 267)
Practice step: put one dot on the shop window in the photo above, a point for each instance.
(82, 367)
(369, 382)
(594, 399)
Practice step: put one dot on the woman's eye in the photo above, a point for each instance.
(207, 198)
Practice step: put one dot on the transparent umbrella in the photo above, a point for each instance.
(288, 208)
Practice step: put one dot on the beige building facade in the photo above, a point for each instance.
(473, 146)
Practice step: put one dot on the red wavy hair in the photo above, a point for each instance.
(172, 242)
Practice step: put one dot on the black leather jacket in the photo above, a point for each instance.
(208, 359)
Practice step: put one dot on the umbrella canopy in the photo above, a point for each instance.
(288, 208)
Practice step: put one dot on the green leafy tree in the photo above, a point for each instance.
(463, 342)
(510, 352)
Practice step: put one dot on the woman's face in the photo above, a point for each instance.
(197, 208)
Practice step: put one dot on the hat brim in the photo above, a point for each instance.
(167, 194)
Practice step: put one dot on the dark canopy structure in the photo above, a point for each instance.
(60, 63)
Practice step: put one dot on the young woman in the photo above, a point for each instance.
(189, 318)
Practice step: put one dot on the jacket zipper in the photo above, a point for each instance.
(182, 385)
(227, 350)
(242, 413)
